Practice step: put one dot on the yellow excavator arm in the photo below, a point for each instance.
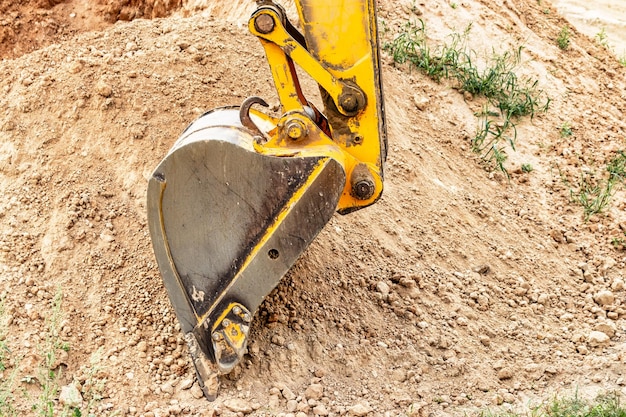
(242, 194)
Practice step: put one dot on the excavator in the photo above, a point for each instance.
(244, 191)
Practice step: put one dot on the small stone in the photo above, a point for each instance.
(420, 102)
(604, 298)
(383, 288)
(70, 396)
(292, 405)
(485, 340)
(597, 338)
(196, 391)
(505, 373)
(398, 375)
(142, 346)
(359, 410)
(607, 328)
(238, 405)
(582, 349)
(314, 391)
(543, 299)
(320, 410)
(558, 236)
(617, 285)
(288, 394)
(167, 388)
(104, 89)
(186, 383)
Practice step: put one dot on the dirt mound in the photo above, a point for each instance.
(460, 289)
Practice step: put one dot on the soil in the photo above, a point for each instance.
(459, 290)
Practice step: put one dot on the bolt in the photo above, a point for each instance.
(237, 310)
(295, 129)
(363, 185)
(264, 23)
(225, 323)
(216, 336)
(349, 102)
(363, 189)
(246, 318)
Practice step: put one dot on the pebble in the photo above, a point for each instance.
(604, 298)
(383, 288)
(70, 396)
(288, 394)
(196, 391)
(617, 285)
(597, 338)
(167, 388)
(359, 410)
(607, 328)
(320, 410)
(104, 89)
(186, 383)
(292, 405)
(314, 391)
(505, 373)
(238, 405)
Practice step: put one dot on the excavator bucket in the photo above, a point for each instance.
(226, 224)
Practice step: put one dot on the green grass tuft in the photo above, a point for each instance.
(509, 97)
(563, 39)
(594, 194)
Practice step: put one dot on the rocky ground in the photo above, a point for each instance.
(459, 290)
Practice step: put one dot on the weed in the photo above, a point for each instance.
(527, 168)
(94, 384)
(563, 39)
(6, 381)
(606, 405)
(622, 59)
(594, 194)
(602, 38)
(48, 378)
(454, 5)
(617, 167)
(497, 81)
(565, 130)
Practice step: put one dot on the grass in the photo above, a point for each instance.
(565, 130)
(603, 39)
(594, 194)
(7, 375)
(509, 97)
(48, 375)
(48, 378)
(563, 39)
(606, 405)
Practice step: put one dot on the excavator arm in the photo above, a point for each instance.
(242, 193)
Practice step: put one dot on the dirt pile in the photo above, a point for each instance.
(460, 289)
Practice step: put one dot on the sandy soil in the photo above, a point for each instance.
(459, 290)
(591, 18)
